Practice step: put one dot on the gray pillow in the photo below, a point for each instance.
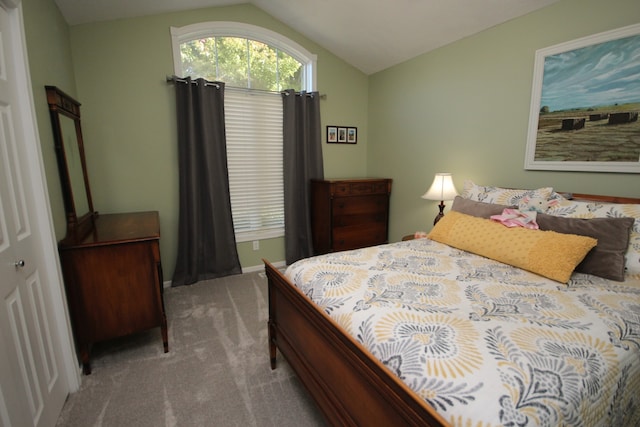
(607, 258)
(478, 209)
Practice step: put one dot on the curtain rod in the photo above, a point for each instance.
(208, 83)
(322, 95)
(178, 79)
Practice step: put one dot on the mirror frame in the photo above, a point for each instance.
(62, 104)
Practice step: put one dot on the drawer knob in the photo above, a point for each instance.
(19, 264)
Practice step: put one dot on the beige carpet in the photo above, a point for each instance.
(216, 372)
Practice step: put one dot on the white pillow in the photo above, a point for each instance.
(502, 196)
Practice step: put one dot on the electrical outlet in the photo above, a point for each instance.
(256, 245)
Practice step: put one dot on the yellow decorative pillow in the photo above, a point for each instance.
(547, 253)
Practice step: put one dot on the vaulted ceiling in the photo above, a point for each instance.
(371, 35)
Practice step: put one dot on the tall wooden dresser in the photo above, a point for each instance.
(113, 279)
(349, 213)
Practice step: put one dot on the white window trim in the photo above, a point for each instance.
(239, 29)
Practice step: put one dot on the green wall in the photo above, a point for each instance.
(129, 124)
(50, 63)
(464, 109)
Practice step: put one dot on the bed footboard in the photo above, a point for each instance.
(348, 384)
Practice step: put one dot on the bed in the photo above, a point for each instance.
(424, 332)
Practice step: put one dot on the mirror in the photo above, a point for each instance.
(67, 135)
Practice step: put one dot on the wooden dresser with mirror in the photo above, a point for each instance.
(110, 262)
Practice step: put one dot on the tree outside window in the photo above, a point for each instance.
(241, 62)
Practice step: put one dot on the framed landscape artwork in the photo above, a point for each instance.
(584, 105)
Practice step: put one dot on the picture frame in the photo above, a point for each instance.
(585, 104)
(342, 134)
(332, 134)
(352, 135)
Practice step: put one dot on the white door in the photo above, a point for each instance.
(33, 378)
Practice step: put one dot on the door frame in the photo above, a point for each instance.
(38, 186)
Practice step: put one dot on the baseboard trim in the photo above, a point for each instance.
(279, 264)
(260, 267)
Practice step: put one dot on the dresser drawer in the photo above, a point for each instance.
(359, 188)
(359, 236)
(365, 218)
(360, 205)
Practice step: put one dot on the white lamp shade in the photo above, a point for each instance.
(441, 189)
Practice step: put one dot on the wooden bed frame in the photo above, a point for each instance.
(350, 386)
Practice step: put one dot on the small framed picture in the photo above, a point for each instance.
(352, 135)
(332, 134)
(342, 134)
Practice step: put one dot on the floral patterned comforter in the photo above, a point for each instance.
(485, 343)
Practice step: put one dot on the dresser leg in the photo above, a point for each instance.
(165, 335)
(85, 358)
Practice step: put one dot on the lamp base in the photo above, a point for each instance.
(440, 214)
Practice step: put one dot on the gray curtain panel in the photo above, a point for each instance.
(206, 241)
(302, 160)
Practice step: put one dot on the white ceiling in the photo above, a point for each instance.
(369, 34)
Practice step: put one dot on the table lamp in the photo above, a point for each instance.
(442, 189)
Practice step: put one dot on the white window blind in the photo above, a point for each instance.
(253, 121)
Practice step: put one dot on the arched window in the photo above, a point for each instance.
(255, 64)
